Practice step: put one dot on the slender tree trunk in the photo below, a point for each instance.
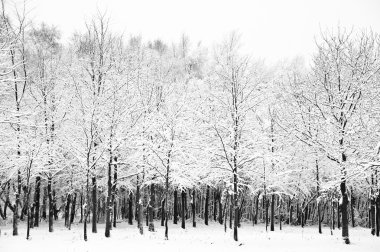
(256, 209)
(44, 205)
(266, 213)
(333, 214)
(183, 197)
(130, 209)
(215, 203)
(108, 206)
(193, 208)
(37, 201)
(290, 213)
(352, 203)
(73, 208)
(67, 210)
(231, 210)
(51, 207)
(338, 215)
(139, 207)
(114, 193)
(94, 205)
(236, 208)
(175, 210)
(151, 208)
(163, 210)
(272, 213)
(206, 204)
(220, 211)
(378, 215)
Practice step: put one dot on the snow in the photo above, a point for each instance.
(202, 238)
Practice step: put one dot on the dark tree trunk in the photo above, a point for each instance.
(338, 214)
(256, 209)
(319, 218)
(236, 208)
(290, 213)
(139, 207)
(344, 212)
(55, 210)
(215, 204)
(44, 205)
(29, 222)
(378, 215)
(183, 214)
(109, 198)
(220, 212)
(73, 208)
(231, 211)
(151, 208)
(193, 208)
(130, 209)
(206, 204)
(333, 215)
(67, 211)
(15, 208)
(114, 193)
(85, 224)
(37, 201)
(163, 212)
(266, 213)
(32, 214)
(94, 205)
(352, 203)
(272, 214)
(51, 205)
(175, 210)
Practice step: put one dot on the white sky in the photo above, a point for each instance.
(271, 29)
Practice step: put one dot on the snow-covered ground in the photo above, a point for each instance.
(202, 238)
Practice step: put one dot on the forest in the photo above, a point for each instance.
(108, 128)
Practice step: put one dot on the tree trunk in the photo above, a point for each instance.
(272, 214)
(231, 210)
(44, 205)
(73, 208)
(163, 213)
(114, 193)
(175, 210)
(94, 205)
(290, 213)
(206, 204)
(130, 209)
(193, 208)
(183, 215)
(37, 201)
(151, 208)
(67, 210)
(109, 197)
(256, 209)
(236, 208)
(352, 203)
(266, 213)
(139, 208)
(378, 215)
(220, 211)
(344, 212)
(215, 204)
(51, 205)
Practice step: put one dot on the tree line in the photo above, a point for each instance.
(107, 127)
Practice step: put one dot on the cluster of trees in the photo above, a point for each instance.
(107, 127)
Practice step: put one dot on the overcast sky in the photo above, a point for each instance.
(271, 29)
